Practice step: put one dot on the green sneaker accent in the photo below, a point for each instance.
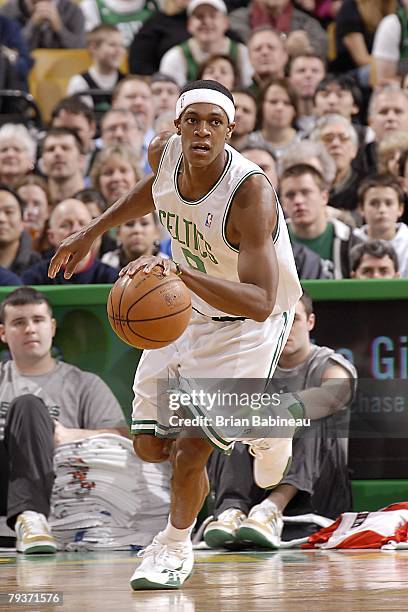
(217, 538)
(251, 536)
(220, 533)
(163, 566)
(143, 584)
(33, 550)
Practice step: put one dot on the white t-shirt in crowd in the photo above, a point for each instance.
(388, 39)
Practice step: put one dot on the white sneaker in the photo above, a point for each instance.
(222, 532)
(263, 527)
(273, 457)
(164, 566)
(34, 534)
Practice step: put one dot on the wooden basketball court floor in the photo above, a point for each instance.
(285, 581)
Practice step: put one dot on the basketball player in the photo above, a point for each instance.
(232, 249)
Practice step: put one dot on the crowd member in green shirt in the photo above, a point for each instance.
(304, 195)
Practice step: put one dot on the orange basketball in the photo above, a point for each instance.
(149, 311)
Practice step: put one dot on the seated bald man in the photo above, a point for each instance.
(68, 217)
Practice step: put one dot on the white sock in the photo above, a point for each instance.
(176, 535)
(267, 505)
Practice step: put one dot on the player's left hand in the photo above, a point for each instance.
(147, 263)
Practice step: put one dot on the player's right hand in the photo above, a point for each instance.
(147, 263)
(69, 253)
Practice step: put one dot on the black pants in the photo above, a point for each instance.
(26, 459)
(319, 471)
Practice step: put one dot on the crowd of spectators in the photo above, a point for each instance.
(321, 101)
(315, 83)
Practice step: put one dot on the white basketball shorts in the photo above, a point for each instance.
(208, 349)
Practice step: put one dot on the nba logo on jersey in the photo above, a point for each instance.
(209, 220)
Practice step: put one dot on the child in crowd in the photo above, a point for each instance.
(136, 237)
(381, 203)
(106, 47)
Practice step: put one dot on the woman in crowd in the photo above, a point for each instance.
(34, 192)
(115, 171)
(220, 68)
(277, 115)
(389, 151)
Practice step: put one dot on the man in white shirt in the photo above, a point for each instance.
(207, 24)
(390, 45)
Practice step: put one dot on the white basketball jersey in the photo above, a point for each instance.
(198, 228)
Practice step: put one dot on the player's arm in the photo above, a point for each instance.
(334, 394)
(250, 226)
(137, 203)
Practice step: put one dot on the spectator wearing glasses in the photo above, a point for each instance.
(341, 141)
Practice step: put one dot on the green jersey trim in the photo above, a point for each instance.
(213, 437)
(111, 17)
(153, 427)
(213, 188)
(229, 203)
(276, 229)
(278, 348)
(161, 162)
(193, 66)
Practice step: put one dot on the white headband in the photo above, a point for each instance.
(209, 96)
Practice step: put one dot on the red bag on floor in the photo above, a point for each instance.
(364, 529)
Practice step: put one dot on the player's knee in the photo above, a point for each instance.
(150, 449)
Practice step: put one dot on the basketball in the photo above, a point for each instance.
(149, 311)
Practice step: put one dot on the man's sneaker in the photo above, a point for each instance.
(222, 532)
(34, 534)
(262, 528)
(273, 457)
(164, 565)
